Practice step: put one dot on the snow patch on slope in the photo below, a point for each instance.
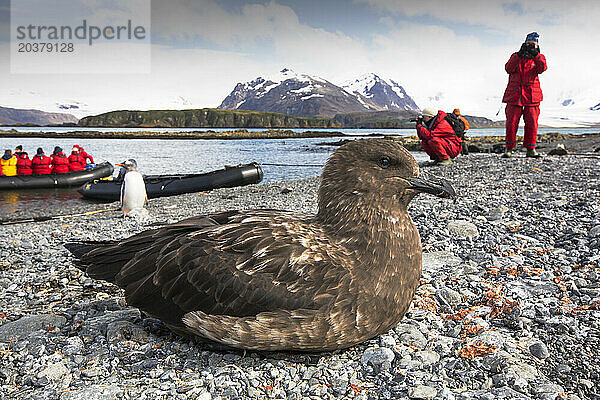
(363, 84)
(311, 96)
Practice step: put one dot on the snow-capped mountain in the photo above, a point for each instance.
(303, 95)
(388, 95)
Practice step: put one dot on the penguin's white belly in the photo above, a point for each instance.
(133, 191)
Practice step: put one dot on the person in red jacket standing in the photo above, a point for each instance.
(437, 137)
(41, 163)
(84, 154)
(60, 162)
(524, 94)
(23, 164)
(76, 160)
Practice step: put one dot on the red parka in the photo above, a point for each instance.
(86, 155)
(60, 163)
(439, 141)
(523, 83)
(23, 164)
(440, 129)
(41, 165)
(76, 162)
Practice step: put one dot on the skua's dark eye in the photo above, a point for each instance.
(384, 162)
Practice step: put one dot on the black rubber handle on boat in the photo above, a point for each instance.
(293, 165)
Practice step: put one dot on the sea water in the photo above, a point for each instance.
(184, 156)
(158, 156)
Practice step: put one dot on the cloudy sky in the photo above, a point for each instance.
(452, 51)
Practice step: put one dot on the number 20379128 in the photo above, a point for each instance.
(45, 47)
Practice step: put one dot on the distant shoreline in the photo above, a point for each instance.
(477, 144)
(182, 135)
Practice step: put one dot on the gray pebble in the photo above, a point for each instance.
(26, 326)
(380, 358)
(539, 350)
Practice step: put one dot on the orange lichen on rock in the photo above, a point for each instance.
(459, 315)
(471, 329)
(356, 389)
(532, 271)
(426, 304)
(504, 308)
(494, 270)
(479, 348)
(493, 295)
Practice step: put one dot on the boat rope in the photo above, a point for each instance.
(293, 165)
(51, 217)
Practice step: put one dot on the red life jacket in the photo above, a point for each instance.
(41, 165)
(24, 164)
(76, 162)
(86, 155)
(60, 163)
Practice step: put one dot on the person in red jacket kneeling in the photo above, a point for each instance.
(42, 164)
(437, 137)
(23, 164)
(76, 160)
(523, 94)
(60, 162)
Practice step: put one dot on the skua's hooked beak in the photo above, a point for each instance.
(437, 186)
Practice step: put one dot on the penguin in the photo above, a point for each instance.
(133, 188)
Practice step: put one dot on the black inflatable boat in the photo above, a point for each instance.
(170, 185)
(77, 178)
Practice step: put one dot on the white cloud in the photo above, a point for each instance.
(424, 55)
(204, 77)
(269, 26)
(507, 16)
(428, 60)
(201, 77)
(432, 61)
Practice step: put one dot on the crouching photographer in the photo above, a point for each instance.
(438, 138)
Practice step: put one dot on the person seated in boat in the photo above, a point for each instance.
(76, 160)
(41, 163)
(8, 162)
(60, 162)
(23, 164)
(85, 155)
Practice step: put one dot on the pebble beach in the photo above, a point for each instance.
(508, 307)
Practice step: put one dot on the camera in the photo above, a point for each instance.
(528, 50)
(418, 120)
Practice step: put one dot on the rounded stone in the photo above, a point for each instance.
(539, 350)
(463, 228)
(422, 392)
(380, 358)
